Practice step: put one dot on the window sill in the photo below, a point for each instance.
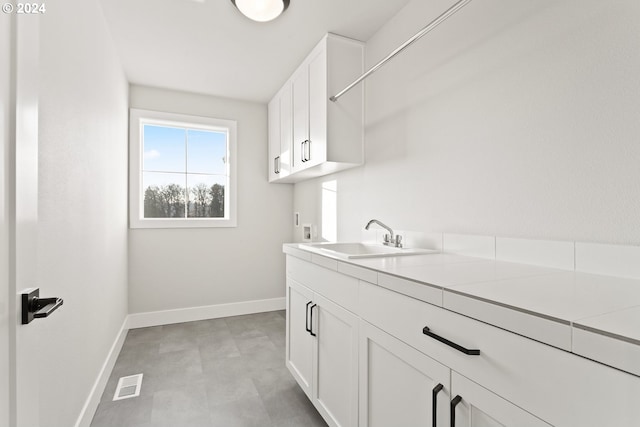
(183, 223)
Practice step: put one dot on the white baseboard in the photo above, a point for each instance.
(166, 317)
(92, 402)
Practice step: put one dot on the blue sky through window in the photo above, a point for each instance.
(177, 151)
(164, 149)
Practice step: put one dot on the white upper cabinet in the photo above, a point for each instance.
(286, 131)
(322, 136)
(300, 117)
(273, 117)
(280, 134)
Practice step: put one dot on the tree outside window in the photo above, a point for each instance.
(184, 172)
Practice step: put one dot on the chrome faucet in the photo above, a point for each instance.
(389, 239)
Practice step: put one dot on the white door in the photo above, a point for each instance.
(399, 384)
(19, 217)
(335, 377)
(299, 344)
(475, 406)
(5, 91)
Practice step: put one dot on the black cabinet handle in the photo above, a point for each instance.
(306, 318)
(434, 403)
(305, 148)
(467, 351)
(454, 403)
(311, 321)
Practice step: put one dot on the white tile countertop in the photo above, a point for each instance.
(591, 315)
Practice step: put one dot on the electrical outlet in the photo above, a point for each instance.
(306, 232)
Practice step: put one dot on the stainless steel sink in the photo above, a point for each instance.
(361, 250)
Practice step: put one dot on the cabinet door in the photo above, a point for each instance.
(286, 130)
(300, 343)
(273, 113)
(335, 381)
(300, 115)
(479, 407)
(398, 384)
(318, 98)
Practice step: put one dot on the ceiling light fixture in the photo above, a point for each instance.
(261, 10)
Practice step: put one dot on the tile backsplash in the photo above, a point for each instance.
(609, 260)
(547, 253)
(470, 245)
(595, 258)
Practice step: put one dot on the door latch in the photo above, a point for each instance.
(34, 307)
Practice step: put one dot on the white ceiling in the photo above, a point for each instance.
(208, 47)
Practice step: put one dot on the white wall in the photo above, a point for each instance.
(82, 243)
(512, 119)
(183, 268)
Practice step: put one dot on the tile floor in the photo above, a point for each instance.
(221, 372)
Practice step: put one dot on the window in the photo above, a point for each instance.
(182, 171)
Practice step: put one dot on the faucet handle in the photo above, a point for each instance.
(395, 241)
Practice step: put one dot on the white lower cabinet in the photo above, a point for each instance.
(322, 353)
(399, 386)
(474, 406)
(380, 362)
(335, 380)
(299, 346)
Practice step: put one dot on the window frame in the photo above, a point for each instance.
(138, 118)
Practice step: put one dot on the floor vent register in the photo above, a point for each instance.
(128, 387)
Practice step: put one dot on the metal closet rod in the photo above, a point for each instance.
(433, 24)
